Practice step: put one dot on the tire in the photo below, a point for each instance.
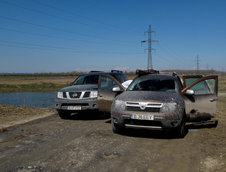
(181, 130)
(64, 114)
(116, 128)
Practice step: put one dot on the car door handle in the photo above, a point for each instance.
(213, 100)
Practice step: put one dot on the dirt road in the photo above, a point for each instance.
(86, 143)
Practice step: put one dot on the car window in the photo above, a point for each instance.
(107, 84)
(188, 81)
(86, 79)
(91, 79)
(153, 84)
(204, 87)
(120, 77)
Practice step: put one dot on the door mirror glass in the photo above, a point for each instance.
(190, 92)
(116, 89)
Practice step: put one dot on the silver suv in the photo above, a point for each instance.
(82, 94)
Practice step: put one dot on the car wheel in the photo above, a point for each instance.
(64, 114)
(181, 130)
(116, 128)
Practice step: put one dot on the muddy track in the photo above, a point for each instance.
(86, 143)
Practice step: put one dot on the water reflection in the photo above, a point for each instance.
(33, 99)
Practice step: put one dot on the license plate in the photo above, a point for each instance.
(74, 108)
(142, 117)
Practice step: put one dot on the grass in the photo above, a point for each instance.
(222, 84)
(33, 84)
(53, 83)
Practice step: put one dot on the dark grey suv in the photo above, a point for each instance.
(82, 94)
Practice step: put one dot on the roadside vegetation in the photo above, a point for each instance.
(44, 82)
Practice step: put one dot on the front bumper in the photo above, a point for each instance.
(159, 122)
(76, 104)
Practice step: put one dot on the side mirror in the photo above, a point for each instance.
(116, 89)
(190, 92)
(71, 83)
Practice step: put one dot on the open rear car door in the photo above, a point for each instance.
(200, 95)
(106, 94)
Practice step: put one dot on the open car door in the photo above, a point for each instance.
(106, 94)
(200, 95)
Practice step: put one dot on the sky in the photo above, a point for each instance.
(81, 35)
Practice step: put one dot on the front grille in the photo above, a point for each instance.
(143, 122)
(74, 95)
(64, 95)
(147, 109)
(75, 104)
(144, 106)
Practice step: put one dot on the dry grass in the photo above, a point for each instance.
(18, 84)
(36, 80)
(10, 115)
(222, 84)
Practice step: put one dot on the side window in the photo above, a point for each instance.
(107, 84)
(211, 85)
(204, 87)
(91, 79)
(188, 81)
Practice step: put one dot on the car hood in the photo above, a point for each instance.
(149, 96)
(80, 88)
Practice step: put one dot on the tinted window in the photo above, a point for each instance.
(86, 79)
(204, 87)
(188, 81)
(107, 84)
(153, 84)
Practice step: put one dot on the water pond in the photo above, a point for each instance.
(33, 99)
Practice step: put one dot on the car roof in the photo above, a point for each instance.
(101, 72)
(161, 76)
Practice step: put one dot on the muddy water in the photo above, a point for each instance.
(33, 99)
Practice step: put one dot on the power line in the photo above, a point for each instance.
(43, 12)
(37, 45)
(54, 48)
(49, 36)
(54, 28)
(59, 17)
(110, 26)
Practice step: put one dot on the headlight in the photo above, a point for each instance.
(93, 94)
(59, 95)
(120, 105)
(168, 107)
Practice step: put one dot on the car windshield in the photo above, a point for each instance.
(154, 84)
(86, 79)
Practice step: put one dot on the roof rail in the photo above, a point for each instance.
(145, 72)
(117, 71)
(94, 71)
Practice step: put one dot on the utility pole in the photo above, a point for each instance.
(197, 63)
(150, 65)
